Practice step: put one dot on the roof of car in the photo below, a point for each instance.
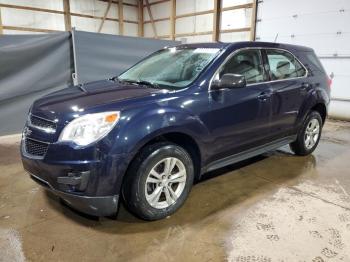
(205, 45)
(243, 44)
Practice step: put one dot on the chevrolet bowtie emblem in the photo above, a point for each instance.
(27, 131)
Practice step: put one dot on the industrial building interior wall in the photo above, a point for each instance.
(88, 18)
(194, 20)
(298, 22)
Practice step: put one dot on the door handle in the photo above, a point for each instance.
(264, 96)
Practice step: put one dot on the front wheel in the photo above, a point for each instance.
(158, 181)
(309, 135)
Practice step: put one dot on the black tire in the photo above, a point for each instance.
(298, 146)
(134, 192)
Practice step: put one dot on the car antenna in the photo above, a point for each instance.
(276, 37)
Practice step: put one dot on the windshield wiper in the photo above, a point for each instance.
(147, 83)
(138, 82)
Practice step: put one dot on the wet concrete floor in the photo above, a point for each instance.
(275, 207)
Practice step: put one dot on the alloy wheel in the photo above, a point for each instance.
(165, 182)
(312, 133)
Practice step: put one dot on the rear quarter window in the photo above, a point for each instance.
(314, 62)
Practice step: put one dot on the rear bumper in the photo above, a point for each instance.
(95, 206)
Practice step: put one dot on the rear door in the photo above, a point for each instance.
(289, 86)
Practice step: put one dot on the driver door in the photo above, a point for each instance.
(240, 117)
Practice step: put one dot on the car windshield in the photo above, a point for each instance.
(171, 68)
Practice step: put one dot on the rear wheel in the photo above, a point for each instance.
(158, 181)
(309, 135)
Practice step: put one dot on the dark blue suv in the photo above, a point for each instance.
(144, 137)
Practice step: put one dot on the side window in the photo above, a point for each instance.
(247, 63)
(283, 65)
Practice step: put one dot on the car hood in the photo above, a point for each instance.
(88, 96)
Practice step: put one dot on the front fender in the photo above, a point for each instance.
(143, 126)
(137, 129)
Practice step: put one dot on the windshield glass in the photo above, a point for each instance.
(171, 68)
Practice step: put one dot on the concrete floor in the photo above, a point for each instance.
(275, 207)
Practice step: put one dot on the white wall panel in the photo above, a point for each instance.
(130, 13)
(92, 25)
(203, 23)
(26, 18)
(195, 39)
(235, 37)
(191, 6)
(93, 7)
(85, 24)
(162, 28)
(86, 7)
(158, 11)
(228, 3)
(48, 4)
(110, 27)
(339, 110)
(324, 26)
(130, 29)
(185, 25)
(234, 19)
(199, 23)
(147, 30)
(100, 9)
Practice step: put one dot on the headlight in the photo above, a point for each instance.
(89, 128)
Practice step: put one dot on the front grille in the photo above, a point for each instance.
(43, 124)
(35, 148)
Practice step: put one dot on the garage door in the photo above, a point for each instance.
(323, 25)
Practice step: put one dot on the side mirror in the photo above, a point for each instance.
(229, 81)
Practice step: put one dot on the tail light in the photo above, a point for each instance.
(329, 81)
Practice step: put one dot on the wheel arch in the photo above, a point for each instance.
(181, 139)
(321, 109)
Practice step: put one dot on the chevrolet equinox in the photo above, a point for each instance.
(144, 137)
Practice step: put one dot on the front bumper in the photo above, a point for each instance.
(95, 206)
(90, 186)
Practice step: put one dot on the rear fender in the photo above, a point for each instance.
(314, 97)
